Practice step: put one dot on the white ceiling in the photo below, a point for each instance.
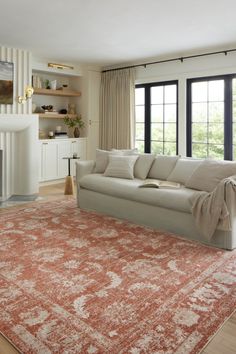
(108, 32)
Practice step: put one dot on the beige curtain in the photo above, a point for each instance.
(117, 109)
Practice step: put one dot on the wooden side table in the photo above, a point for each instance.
(69, 183)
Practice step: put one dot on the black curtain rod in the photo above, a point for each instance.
(172, 59)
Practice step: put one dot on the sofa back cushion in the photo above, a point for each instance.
(125, 151)
(183, 170)
(162, 166)
(101, 160)
(209, 173)
(121, 166)
(143, 165)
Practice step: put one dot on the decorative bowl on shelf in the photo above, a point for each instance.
(64, 87)
(48, 108)
(63, 111)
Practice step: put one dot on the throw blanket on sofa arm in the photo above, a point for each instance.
(210, 210)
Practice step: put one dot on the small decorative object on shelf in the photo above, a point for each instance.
(64, 87)
(51, 135)
(34, 107)
(42, 134)
(71, 108)
(53, 84)
(60, 135)
(76, 132)
(63, 111)
(48, 108)
(47, 84)
(76, 123)
(36, 82)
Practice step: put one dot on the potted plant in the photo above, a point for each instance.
(76, 123)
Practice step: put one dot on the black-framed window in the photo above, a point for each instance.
(156, 117)
(211, 117)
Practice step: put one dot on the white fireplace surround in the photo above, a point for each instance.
(19, 142)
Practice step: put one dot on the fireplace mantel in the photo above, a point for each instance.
(19, 142)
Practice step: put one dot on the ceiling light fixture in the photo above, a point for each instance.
(60, 66)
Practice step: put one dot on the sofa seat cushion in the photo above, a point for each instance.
(175, 199)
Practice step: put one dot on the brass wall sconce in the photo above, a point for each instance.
(28, 94)
(60, 66)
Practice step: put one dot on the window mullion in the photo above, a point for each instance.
(189, 118)
(228, 112)
(147, 119)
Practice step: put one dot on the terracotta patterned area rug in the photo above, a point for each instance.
(73, 281)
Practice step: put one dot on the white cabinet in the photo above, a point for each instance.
(52, 164)
(64, 150)
(49, 164)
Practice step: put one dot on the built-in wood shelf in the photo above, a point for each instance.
(49, 92)
(56, 115)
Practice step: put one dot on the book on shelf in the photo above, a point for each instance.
(155, 183)
(61, 136)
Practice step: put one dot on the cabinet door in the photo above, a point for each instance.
(40, 162)
(82, 148)
(64, 151)
(49, 156)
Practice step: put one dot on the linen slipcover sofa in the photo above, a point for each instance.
(110, 185)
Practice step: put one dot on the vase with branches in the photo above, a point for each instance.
(77, 123)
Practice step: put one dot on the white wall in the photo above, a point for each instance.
(89, 85)
(22, 77)
(190, 68)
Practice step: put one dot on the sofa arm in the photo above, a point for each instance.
(83, 168)
(230, 198)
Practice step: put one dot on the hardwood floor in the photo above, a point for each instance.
(52, 191)
(6, 347)
(224, 342)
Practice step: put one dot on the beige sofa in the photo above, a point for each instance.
(162, 209)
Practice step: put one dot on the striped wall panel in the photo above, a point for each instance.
(22, 77)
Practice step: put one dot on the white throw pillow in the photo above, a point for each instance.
(210, 173)
(143, 165)
(183, 170)
(162, 166)
(121, 166)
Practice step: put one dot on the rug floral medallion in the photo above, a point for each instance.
(73, 281)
